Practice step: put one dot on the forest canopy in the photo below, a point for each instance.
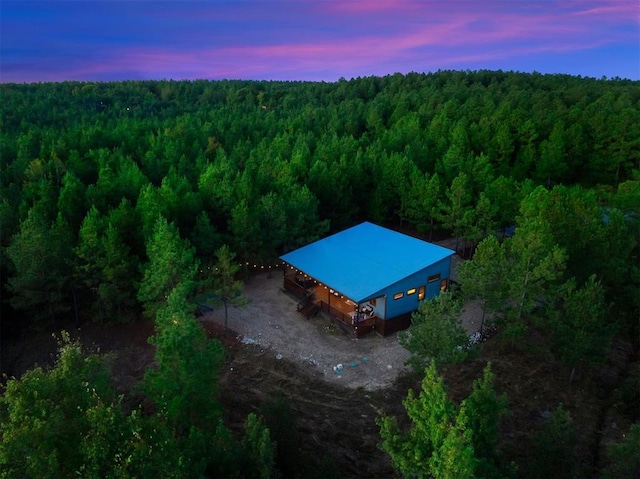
(265, 167)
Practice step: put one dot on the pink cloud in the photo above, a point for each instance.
(609, 11)
(368, 6)
(419, 43)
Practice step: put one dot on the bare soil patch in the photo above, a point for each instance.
(125, 346)
(334, 424)
(271, 323)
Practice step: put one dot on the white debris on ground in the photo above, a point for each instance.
(475, 338)
(246, 340)
(310, 359)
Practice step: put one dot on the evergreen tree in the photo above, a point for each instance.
(482, 222)
(420, 202)
(553, 448)
(431, 414)
(581, 334)
(444, 441)
(184, 382)
(72, 201)
(436, 333)
(205, 237)
(456, 212)
(455, 458)
(624, 456)
(246, 231)
(272, 217)
(106, 267)
(535, 265)
(484, 408)
(483, 277)
(88, 250)
(303, 224)
(552, 165)
(226, 289)
(171, 261)
(258, 448)
(41, 253)
(56, 423)
(119, 268)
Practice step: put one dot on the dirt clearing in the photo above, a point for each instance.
(271, 323)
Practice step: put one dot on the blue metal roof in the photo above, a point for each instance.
(363, 260)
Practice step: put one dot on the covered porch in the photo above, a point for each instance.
(349, 316)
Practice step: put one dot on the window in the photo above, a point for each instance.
(398, 295)
(411, 291)
(433, 278)
(420, 293)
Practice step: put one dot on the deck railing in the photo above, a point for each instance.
(346, 322)
(335, 313)
(294, 287)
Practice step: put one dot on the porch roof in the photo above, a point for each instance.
(361, 261)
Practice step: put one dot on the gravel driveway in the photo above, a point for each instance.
(271, 322)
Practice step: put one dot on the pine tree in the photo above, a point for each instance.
(436, 333)
(553, 448)
(226, 289)
(578, 323)
(48, 418)
(484, 408)
(456, 212)
(259, 450)
(41, 253)
(444, 441)
(171, 262)
(535, 265)
(624, 456)
(431, 413)
(485, 277)
(184, 383)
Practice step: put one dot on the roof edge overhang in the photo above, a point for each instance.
(321, 283)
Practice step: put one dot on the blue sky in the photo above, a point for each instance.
(313, 39)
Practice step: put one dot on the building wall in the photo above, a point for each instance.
(443, 268)
(407, 291)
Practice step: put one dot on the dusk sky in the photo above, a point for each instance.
(313, 39)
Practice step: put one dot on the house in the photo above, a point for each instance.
(367, 277)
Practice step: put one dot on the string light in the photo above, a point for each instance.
(257, 266)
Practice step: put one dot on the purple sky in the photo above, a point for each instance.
(313, 39)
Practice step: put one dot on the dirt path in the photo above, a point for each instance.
(270, 322)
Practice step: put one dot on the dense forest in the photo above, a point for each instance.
(118, 199)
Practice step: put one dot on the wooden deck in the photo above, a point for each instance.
(297, 286)
(349, 326)
(342, 311)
